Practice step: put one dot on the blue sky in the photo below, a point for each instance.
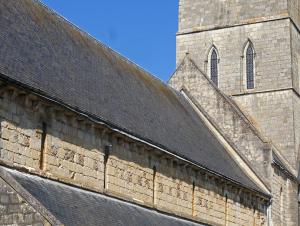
(142, 30)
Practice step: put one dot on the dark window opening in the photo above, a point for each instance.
(214, 67)
(250, 67)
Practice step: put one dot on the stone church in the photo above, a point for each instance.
(89, 138)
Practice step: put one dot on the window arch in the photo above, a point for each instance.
(213, 65)
(249, 63)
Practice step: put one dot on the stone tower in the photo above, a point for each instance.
(251, 51)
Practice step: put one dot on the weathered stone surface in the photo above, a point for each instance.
(73, 148)
(210, 14)
(271, 41)
(273, 105)
(15, 211)
(128, 173)
(226, 116)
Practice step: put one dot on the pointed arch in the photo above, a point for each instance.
(213, 65)
(249, 62)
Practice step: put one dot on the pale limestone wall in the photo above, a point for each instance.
(237, 210)
(296, 104)
(228, 25)
(271, 41)
(233, 127)
(129, 173)
(14, 210)
(273, 71)
(295, 46)
(174, 187)
(284, 202)
(291, 203)
(71, 151)
(207, 14)
(277, 115)
(131, 177)
(273, 114)
(226, 117)
(279, 197)
(295, 40)
(218, 201)
(294, 9)
(74, 153)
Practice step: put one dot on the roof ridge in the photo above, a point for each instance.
(92, 81)
(98, 42)
(118, 128)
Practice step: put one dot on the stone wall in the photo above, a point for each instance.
(129, 173)
(174, 186)
(273, 114)
(284, 203)
(273, 105)
(236, 208)
(14, 210)
(294, 9)
(271, 41)
(225, 115)
(295, 46)
(71, 150)
(178, 189)
(279, 197)
(216, 13)
(291, 203)
(234, 127)
(296, 103)
(54, 142)
(273, 71)
(295, 42)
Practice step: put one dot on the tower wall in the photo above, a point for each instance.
(208, 14)
(294, 11)
(271, 41)
(273, 106)
(277, 61)
(273, 114)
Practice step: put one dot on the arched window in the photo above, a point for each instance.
(250, 66)
(214, 67)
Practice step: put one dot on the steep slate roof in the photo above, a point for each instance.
(44, 52)
(76, 207)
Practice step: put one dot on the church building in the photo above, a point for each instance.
(88, 138)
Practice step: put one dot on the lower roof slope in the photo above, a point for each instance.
(43, 51)
(76, 207)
